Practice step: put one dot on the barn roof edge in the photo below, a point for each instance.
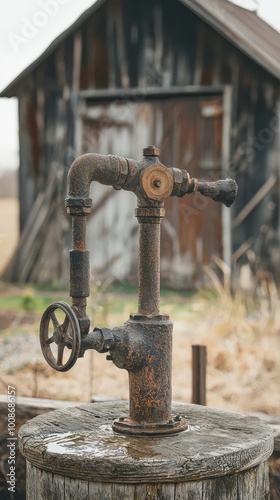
(248, 32)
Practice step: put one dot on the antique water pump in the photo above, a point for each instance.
(143, 345)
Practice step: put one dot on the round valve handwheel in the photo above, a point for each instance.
(63, 334)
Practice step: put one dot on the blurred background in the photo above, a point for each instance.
(112, 77)
(109, 78)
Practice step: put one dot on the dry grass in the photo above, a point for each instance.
(243, 370)
(243, 356)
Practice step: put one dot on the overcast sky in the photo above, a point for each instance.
(28, 27)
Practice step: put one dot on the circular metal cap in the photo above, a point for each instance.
(157, 182)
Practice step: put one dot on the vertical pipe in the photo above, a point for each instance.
(150, 390)
(149, 266)
(79, 231)
(79, 266)
(199, 360)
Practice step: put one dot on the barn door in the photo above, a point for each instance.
(191, 236)
(189, 132)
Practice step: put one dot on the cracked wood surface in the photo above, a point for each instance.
(79, 443)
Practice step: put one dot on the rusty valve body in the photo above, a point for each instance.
(143, 345)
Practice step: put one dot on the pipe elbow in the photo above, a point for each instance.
(79, 176)
(109, 170)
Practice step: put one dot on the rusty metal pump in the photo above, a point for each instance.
(143, 345)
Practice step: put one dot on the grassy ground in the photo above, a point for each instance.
(107, 302)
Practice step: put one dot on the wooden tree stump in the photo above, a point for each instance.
(73, 453)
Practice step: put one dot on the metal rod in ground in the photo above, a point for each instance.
(199, 361)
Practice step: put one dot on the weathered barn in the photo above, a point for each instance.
(198, 79)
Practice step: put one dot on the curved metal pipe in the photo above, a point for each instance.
(111, 171)
(140, 178)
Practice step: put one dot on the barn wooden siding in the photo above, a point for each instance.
(108, 87)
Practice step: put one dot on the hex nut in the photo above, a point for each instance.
(84, 325)
(151, 151)
(177, 181)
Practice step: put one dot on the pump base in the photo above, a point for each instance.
(124, 425)
(73, 453)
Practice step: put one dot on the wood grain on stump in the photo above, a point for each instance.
(73, 453)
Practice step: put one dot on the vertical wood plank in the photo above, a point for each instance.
(44, 485)
(246, 484)
(144, 491)
(77, 59)
(225, 487)
(164, 491)
(57, 487)
(31, 475)
(168, 491)
(100, 491)
(123, 491)
(225, 155)
(191, 491)
(75, 489)
(254, 483)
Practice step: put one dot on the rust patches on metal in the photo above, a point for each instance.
(151, 151)
(143, 346)
(157, 182)
(199, 361)
(65, 334)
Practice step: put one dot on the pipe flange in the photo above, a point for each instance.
(149, 212)
(145, 317)
(72, 201)
(78, 206)
(123, 173)
(125, 425)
